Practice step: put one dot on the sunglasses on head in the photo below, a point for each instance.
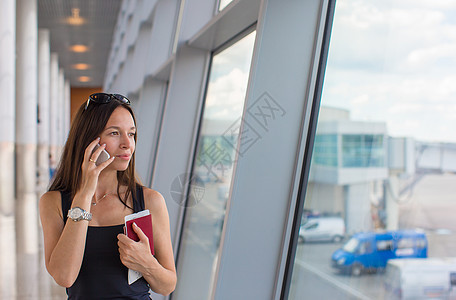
(103, 98)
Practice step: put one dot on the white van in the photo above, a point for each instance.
(322, 229)
(421, 278)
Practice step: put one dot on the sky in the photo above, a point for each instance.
(391, 61)
(228, 80)
(394, 61)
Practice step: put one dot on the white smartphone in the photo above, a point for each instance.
(104, 155)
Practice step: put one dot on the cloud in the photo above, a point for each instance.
(382, 34)
(400, 108)
(434, 4)
(228, 80)
(361, 99)
(237, 55)
(393, 61)
(226, 95)
(432, 55)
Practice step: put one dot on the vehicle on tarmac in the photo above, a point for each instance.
(421, 278)
(330, 229)
(372, 250)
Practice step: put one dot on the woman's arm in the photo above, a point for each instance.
(64, 244)
(159, 270)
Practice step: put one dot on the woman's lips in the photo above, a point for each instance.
(124, 157)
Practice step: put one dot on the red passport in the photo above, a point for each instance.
(144, 220)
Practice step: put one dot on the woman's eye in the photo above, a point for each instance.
(114, 133)
(132, 133)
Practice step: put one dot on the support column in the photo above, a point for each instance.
(358, 207)
(44, 64)
(149, 111)
(44, 61)
(7, 115)
(67, 97)
(53, 112)
(26, 139)
(391, 205)
(61, 110)
(276, 144)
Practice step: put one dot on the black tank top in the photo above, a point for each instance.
(102, 274)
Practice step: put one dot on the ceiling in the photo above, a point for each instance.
(89, 23)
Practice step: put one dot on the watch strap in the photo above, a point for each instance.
(85, 215)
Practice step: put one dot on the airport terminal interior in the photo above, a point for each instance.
(305, 148)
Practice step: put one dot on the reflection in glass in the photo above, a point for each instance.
(213, 166)
(224, 3)
(384, 156)
(351, 245)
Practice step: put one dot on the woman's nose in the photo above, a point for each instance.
(125, 142)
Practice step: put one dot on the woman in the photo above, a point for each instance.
(83, 212)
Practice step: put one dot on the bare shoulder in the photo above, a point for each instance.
(154, 200)
(51, 202)
(51, 197)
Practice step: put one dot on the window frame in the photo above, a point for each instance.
(195, 147)
(310, 139)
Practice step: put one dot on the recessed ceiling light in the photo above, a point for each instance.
(81, 66)
(75, 19)
(79, 48)
(84, 79)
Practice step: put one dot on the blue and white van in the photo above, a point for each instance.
(372, 250)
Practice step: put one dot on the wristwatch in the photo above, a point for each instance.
(77, 214)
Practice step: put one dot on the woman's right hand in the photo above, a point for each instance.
(64, 243)
(90, 171)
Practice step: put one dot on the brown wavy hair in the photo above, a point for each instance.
(86, 127)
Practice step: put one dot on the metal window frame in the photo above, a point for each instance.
(308, 151)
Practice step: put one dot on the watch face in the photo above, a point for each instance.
(75, 213)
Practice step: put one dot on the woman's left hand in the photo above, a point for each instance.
(136, 255)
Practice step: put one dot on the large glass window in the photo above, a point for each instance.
(224, 3)
(326, 150)
(213, 168)
(363, 151)
(384, 157)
